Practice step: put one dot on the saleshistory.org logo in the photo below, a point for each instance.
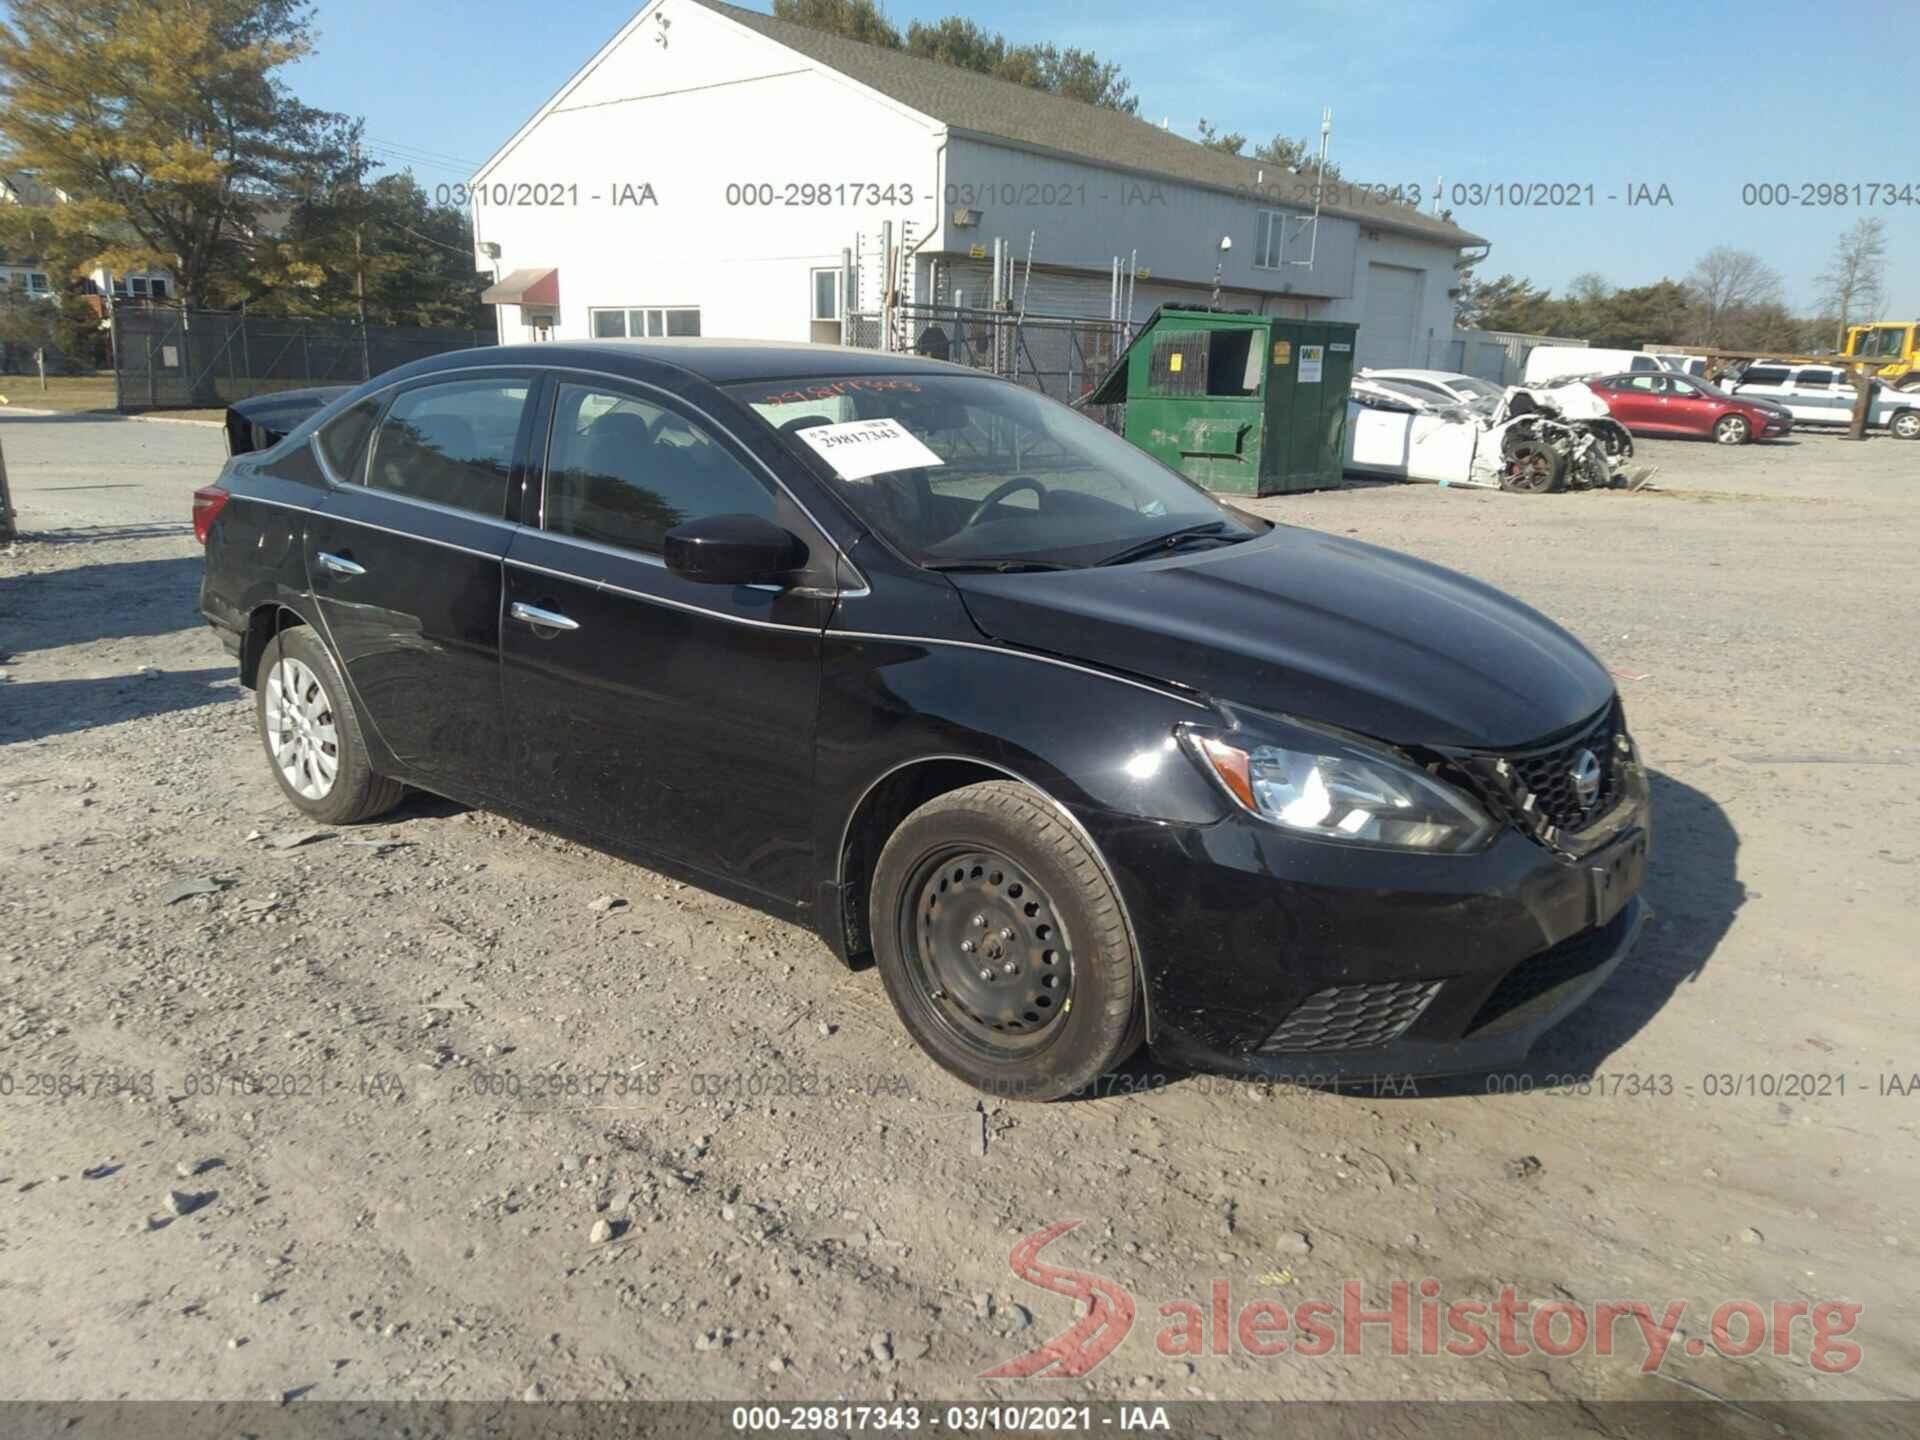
(1414, 1320)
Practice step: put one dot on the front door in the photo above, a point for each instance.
(404, 563)
(649, 712)
(1691, 411)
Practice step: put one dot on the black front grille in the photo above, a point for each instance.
(1541, 783)
(1352, 1017)
(1532, 988)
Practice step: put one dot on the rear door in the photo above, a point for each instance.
(404, 557)
(1634, 400)
(649, 712)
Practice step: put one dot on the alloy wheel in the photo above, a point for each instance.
(1907, 425)
(1531, 472)
(1732, 430)
(301, 736)
(989, 951)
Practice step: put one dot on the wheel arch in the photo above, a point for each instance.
(264, 622)
(903, 788)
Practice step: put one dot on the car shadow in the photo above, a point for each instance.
(114, 601)
(93, 534)
(1693, 890)
(35, 710)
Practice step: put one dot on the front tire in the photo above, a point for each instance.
(1532, 467)
(1000, 939)
(1732, 430)
(1906, 425)
(312, 734)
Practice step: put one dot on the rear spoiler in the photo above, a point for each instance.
(262, 421)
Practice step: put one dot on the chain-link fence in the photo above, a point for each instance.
(170, 358)
(1062, 356)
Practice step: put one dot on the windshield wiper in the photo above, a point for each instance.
(1006, 566)
(1210, 530)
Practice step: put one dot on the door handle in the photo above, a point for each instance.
(542, 619)
(339, 564)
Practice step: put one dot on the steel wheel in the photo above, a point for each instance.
(301, 735)
(1732, 430)
(986, 944)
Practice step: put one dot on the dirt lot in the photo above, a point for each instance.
(386, 1192)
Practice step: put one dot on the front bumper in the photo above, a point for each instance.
(1272, 955)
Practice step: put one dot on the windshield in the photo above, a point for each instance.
(1476, 387)
(957, 470)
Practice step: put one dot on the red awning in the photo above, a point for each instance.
(524, 287)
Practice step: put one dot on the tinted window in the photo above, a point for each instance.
(623, 472)
(343, 439)
(1643, 362)
(1764, 375)
(1818, 379)
(451, 443)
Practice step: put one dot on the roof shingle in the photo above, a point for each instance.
(1000, 109)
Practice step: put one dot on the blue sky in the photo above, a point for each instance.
(1699, 96)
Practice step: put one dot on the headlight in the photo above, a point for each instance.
(1322, 785)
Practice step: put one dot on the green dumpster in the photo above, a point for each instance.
(1244, 404)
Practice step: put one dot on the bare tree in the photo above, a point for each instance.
(1853, 284)
(1727, 282)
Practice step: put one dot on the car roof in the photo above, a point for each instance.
(717, 361)
(1418, 375)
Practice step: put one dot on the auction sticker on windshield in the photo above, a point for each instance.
(861, 449)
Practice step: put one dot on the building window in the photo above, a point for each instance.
(37, 283)
(1270, 240)
(645, 321)
(159, 288)
(826, 294)
(137, 284)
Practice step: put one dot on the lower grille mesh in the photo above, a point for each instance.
(1352, 1017)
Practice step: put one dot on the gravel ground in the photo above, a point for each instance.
(359, 1170)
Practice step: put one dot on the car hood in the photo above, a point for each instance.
(1314, 626)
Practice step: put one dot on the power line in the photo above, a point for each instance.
(399, 147)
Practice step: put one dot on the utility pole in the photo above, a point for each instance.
(359, 272)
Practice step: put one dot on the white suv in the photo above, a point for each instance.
(1824, 395)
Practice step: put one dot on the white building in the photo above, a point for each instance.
(711, 170)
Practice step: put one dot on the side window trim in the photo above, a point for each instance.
(533, 378)
(669, 403)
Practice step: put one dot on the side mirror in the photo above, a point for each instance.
(733, 550)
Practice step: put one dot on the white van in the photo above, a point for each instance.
(1694, 365)
(1548, 363)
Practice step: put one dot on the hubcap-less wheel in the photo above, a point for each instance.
(1732, 430)
(300, 729)
(985, 944)
(1530, 470)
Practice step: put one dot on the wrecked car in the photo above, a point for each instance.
(1533, 441)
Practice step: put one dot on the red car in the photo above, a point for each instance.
(1650, 402)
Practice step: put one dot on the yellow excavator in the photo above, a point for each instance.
(1898, 341)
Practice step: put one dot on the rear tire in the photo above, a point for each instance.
(1732, 430)
(1000, 939)
(312, 736)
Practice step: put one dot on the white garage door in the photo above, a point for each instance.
(1393, 301)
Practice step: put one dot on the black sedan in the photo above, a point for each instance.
(1076, 754)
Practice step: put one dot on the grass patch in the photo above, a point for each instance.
(77, 394)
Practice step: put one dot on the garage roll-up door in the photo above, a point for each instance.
(1393, 302)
